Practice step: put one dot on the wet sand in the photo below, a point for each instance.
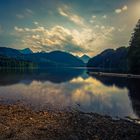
(18, 122)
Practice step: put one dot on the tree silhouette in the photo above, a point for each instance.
(6, 62)
(134, 50)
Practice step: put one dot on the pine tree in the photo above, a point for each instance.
(134, 50)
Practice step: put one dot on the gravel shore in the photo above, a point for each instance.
(18, 122)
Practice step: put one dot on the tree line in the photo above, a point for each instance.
(6, 62)
(134, 50)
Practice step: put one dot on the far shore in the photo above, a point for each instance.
(123, 75)
(19, 122)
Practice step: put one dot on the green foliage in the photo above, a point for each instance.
(134, 51)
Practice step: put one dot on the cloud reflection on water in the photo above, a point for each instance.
(90, 94)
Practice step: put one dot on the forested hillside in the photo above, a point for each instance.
(110, 60)
(6, 62)
(134, 50)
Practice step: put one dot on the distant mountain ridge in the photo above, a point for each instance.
(110, 59)
(9, 52)
(51, 59)
(85, 58)
(26, 51)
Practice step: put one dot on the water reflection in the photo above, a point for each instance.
(64, 88)
(131, 84)
(55, 75)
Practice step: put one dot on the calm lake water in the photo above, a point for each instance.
(72, 88)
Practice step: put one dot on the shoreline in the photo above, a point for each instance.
(20, 122)
(122, 75)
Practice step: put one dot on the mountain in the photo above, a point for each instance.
(65, 58)
(85, 58)
(9, 52)
(51, 59)
(26, 51)
(55, 58)
(113, 60)
(6, 62)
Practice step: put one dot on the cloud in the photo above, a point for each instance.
(92, 20)
(118, 11)
(94, 17)
(36, 23)
(29, 11)
(65, 11)
(55, 38)
(87, 40)
(20, 16)
(104, 16)
(25, 13)
(102, 27)
(18, 29)
(124, 8)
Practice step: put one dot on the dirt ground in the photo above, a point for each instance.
(18, 122)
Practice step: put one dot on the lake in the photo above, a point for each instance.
(71, 88)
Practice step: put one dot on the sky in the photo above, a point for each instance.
(75, 26)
